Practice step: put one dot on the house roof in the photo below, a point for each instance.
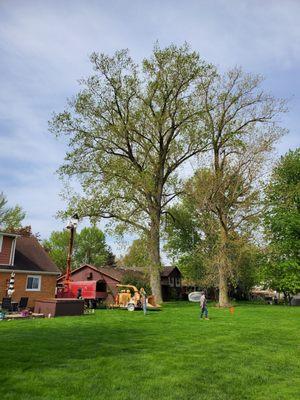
(113, 272)
(166, 271)
(103, 270)
(31, 256)
(118, 273)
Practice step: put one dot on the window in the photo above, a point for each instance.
(177, 282)
(33, 283)
(1, 241)
(90, 277)
(171, 281)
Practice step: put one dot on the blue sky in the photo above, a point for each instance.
(44, 51)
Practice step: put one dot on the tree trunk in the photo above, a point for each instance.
(223, 288)
(223, 271)
(222, 256)
(154, 253)
(155, 284)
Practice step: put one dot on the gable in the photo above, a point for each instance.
(175, 273)
(90, 272)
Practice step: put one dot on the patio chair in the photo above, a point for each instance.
(6, 304)
(22, 303)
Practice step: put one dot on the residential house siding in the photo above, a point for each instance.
(47, 289)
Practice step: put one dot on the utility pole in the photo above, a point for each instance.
(72, 227)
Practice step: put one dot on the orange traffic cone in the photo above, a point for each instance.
(231, 309)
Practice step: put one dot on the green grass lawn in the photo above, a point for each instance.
(118, 355)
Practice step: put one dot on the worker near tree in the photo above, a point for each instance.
(203, 306)
(144, 300)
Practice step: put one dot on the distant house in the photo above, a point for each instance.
(107, 279)
(35, 272)
(170, 283)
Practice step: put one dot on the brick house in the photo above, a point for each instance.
(35, 272)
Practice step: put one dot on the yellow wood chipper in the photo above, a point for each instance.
(130, 298)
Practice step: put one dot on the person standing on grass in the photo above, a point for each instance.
(144, 300)
(203, 306)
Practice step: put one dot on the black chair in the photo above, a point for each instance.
(22, 303)
(6, 304)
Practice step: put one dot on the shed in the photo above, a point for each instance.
(170, 283)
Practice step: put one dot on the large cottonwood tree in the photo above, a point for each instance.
(130, 128)
(240, 120)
